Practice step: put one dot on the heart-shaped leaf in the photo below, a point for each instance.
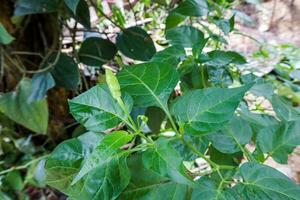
(15, 105)
(135, 43)
(96, 51)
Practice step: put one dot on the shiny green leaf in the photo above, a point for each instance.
(172, 55)
(149, 84)
(264, 182)
(223, 58)
(96, 51)
(104, 182)
(97, 110)
(135, 43)
(103, 153)
(192, 8)
(184, 36)
(206, 110)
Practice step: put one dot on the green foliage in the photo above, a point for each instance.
(206, 110)
(5, 37)
(135, 43)
(32, 115)
(96, 51)
(169, 125)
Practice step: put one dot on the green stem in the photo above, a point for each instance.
(242, 148)
(22, 166)
(202, 76)
(198, 153)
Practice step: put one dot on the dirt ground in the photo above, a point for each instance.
(275, 22)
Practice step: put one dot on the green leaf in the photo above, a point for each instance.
(149, 84)
(219, 76)
(172, 55)
(26, 7)
(14, 105)
(225, 159)
(118, 15)
(174, 19)
(257, 121)
(264, 182)
(200, 143)
(72, 4)
(163, 159)
(284, 110)
(83, 14)
(41, 83)
(14, 180)
(192, 8)
(103, 153)
(226, 25)
(97, 110)
(4, 196)
(156, 116)
(104, 182)
(5, 37)
(208, 190)
(187, 66)
(113, 84)
(280, 140)
(96, 51)
(65, 71)
(206, 110)
(135, 43)
(224, 58)
(232, 137)
(185, 36)
(147, 185)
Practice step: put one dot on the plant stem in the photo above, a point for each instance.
(22, 166)
(202, 76)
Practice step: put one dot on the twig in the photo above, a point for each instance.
(26, 53)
